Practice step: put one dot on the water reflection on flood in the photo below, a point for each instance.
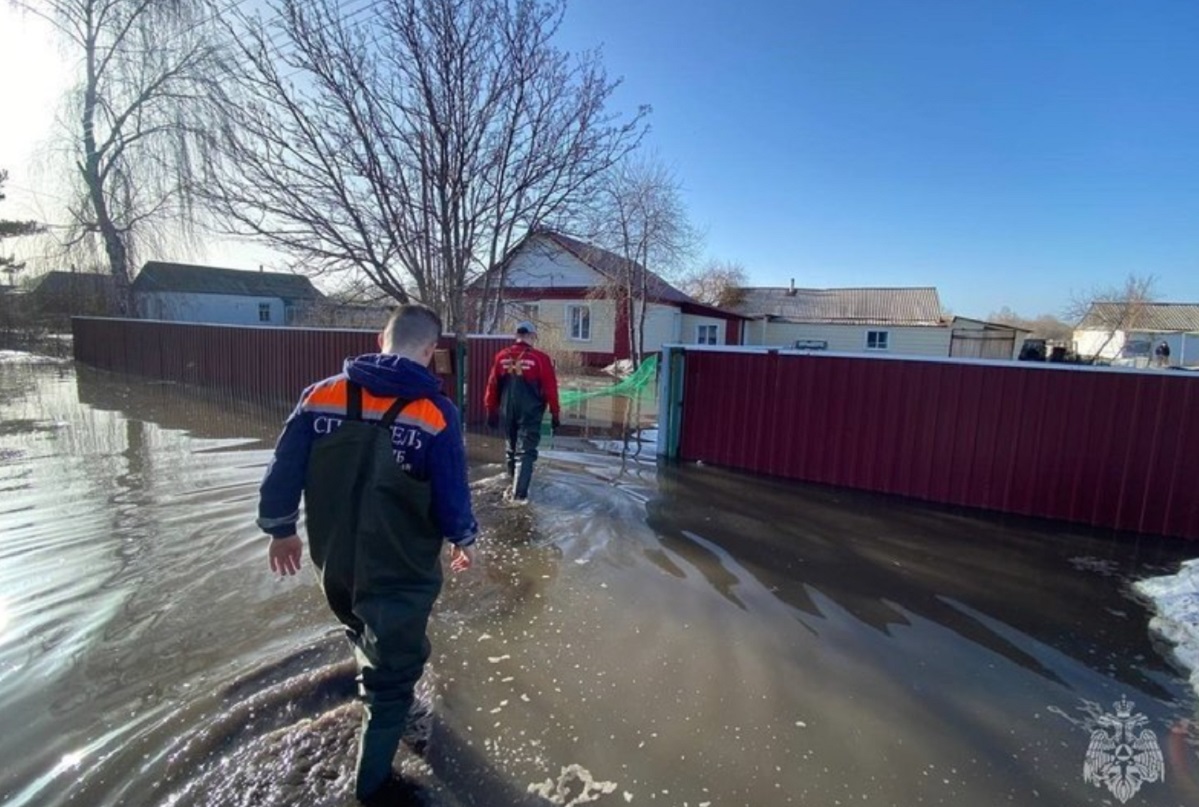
(639, 635)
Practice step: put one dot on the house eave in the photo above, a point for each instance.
(848, 322)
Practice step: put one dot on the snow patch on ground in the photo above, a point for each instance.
(574, 783)
(1176, 599)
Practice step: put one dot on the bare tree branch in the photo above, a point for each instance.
(718, 283)
(416, 149)
(143, 116)
(639, 215)
(1112, 310)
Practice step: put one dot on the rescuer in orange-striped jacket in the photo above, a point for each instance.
(522, 385)
(378, 454)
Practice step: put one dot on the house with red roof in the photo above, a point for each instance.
(584, 298)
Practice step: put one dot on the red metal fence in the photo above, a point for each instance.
(267, 364)
(1102, 447)
(480, 353)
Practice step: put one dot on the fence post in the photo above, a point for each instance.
(460, 365)
(670, 400)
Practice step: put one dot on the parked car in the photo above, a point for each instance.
(1135, 353)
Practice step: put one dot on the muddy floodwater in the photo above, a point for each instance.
(639, 635)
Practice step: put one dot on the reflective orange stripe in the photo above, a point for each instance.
(331, 397)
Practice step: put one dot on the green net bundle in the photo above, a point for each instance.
(631, 387)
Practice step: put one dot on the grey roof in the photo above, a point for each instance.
(181, 277)
(898, 306)
(1155, 317)
(74, 283)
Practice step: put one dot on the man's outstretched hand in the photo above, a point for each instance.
(285, 554)
(461, 558)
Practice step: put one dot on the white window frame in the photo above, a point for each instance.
(885, 340)
(264, 312)
(702, 328)
(570, 331)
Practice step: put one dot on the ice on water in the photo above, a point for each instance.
(1176, 599)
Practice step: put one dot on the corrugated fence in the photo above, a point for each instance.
(480, 353)
(266, 364)
(1102, 447)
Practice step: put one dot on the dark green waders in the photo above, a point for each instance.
(522, 411)
(373, 539)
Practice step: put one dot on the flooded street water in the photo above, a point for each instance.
(639, 635)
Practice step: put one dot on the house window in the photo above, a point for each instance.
(877, 340)
(264, 312)
(578, 322)
(530, 311)
(705, 334)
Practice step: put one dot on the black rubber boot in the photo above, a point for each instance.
(376, 752)
(520, 488)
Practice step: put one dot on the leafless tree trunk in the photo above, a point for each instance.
(640, 216)
(140, 122)
(417, 145)
(1112, 310)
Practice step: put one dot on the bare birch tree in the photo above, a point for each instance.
(415, 145)
(640, 216)
(138, 122)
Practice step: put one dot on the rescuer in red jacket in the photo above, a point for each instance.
(522, 385)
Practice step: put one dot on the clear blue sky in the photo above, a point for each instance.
(1009, 152)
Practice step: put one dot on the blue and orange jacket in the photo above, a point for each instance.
(426, 437)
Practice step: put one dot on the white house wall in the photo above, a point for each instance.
(1186, 351)
(1184, 347)
(1098, 344)
(691, 323)
(541, 264)
(551, 319)
(218, 309)
(755, 332)
(663, 325)
(906, 340)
